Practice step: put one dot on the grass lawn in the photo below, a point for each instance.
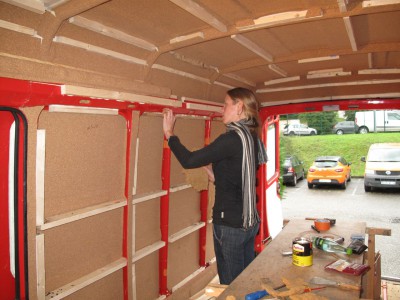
(350, 146)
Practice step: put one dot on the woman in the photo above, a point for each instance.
(234, 156)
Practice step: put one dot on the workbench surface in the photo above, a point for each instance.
(271, 264)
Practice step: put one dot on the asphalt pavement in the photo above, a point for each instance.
(380, 209)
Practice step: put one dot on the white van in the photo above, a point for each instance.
(378, 120)
(382, 168)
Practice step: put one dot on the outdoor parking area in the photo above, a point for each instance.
(379, 209)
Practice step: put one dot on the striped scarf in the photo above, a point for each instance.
(250, 213)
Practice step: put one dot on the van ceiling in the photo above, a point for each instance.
(286, 51)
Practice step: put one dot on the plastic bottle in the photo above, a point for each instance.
(330, 246)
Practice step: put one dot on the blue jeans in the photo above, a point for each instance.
(234, 250)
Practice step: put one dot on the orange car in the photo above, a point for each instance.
(333, 170)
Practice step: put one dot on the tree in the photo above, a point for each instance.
(350, 115)
(322, 121)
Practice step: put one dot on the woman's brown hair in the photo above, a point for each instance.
(250, 105)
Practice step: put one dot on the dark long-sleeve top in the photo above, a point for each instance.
(225, 154)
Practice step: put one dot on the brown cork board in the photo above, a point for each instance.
(183, 258)
(151, 139)
(195, 285)
(79, 248)
(184, 209)
(146, 216)
(109, 288)
(147, 277)
(85, 160)
(191, 134)
(147, 223)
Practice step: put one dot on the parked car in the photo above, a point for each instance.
(293, 170)
(334, 170)
(378, 120)
(298, 129)
(382, 168)
(345, 127)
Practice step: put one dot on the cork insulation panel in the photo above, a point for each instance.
(191, 134)
(147, 223)
(150, 139)
(186, 56)
(85, 160)
(84, 166)
(108, 288)
(147, 277)
(184, 209)
(79, 248)
(183, 258)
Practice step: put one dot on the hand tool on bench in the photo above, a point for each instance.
(340, 285)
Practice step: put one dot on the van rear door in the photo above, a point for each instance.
(392, 121)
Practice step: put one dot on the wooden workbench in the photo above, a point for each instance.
(271, 264)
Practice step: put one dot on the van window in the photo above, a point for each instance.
(326, 164)
(393, 116)
(384, 155)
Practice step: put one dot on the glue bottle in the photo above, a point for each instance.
(330, 246)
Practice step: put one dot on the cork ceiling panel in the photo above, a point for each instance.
(201, 48)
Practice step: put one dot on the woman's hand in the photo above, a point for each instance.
(210, 173)
(168, 122)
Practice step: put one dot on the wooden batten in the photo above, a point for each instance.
(135, 168)
(40, 267)
(201, 101)
(147, 250)
(203, 107)
(373, 3)
(184, 232)
(252, 47)
(278, 19)
(31, 5)
(148, 196)
(328, 74)
(179, 188)
(201, 13)
(112, 32)
(313, 86)
(378, 71)
(82, 213)
(82, 110)
(277, 70)
(197, 35)
(282, 80)
(18, 28)
(84, 281)
(98, 50)
(180, 73)
(315, 59)
(330, 98)
(350, 33)
(107, 95)
(40, 166)
(187, 279)
(342, 5)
